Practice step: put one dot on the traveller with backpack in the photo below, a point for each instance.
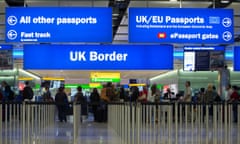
(27, 92)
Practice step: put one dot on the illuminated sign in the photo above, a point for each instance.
(58, 24)
(98, 57)
(104, 77)
(236, 62)
(181, 25)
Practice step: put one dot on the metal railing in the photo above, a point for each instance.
(26, 123)
(134, 123)
(175, 123)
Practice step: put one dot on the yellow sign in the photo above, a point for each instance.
(94, 85)
(105, 75)
(53, 78)
(138, 84)
(25, 78)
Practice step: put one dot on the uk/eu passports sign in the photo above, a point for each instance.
(181, 25)
(58, 24)
(236, 63)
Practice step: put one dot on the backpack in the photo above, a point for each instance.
(11, 95)
(27, 93)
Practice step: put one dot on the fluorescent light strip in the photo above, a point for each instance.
(30, 74)
(162, 75)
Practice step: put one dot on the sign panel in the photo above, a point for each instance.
(58, 24)
(236, 62)
(99, 57)
(6, 57)
(105, 77)
(181, 25)
(203, 58)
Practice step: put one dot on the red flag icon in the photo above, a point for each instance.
(162, 35)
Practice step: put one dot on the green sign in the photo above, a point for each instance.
(84, 86)
(105, 79)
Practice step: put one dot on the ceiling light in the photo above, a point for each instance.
(115, 14)
(225, 1)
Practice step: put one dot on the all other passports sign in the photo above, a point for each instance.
(58, 24)
(98, 57)
(181, 25)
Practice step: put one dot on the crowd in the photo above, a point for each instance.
(113, 93)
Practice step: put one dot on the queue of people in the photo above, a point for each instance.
(112, 93)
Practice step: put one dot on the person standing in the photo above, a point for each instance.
(79, 95)
(27, 91)
(81, 99)
(95, 100)
(234, 99)
(47, 95)
(228, 93)
(188, 98)
(62, 104)
(168, 95)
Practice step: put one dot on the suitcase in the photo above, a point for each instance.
(101, 114)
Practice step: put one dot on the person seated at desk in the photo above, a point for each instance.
(168, 94)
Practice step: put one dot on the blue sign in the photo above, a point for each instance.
(98, 57)
(204, 48)
(181, 25)
(58, 24)
(6, 47)
(236, 62)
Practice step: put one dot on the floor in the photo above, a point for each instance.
(100, 133)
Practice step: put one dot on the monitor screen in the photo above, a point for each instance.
(203, 58)
(6, 59)
(216, 60)
(189, 61)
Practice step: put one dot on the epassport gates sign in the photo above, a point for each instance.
(181, 25)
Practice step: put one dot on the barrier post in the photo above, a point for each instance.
(225, 122)
(221, 118)
(23, 123)
(176, 122)
(169, 123)
(75, 123)
(238, 123)
(207, 123)
(1, 138)
(214, 124)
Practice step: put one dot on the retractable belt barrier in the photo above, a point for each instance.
(26, 123)
(173, 122)
(134, 123)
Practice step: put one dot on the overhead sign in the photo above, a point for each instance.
(181, 25)
(105, 77)
(58, 24)
(6, 47)
(204, 48)
(236, 62)
(98, 57)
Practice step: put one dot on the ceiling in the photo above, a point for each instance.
(120, 27)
